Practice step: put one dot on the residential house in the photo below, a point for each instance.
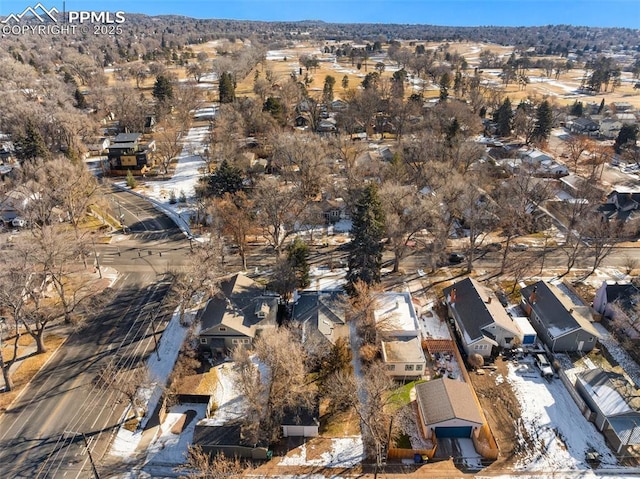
(236, 314)
(403, 357)
(327, 125)
(99, 146)
(622, 206)
(576, 186)
(481, 322)
(320, 314)
(397, 321)
(622, 106)
(541, 164)
(14, 203)
(560, 323)
(447, 408)
(620, 304)
(584, 126)
(128, 153)
(334, 210)
(339, 105)
(610, 128)
(616, 405)
(626, 118)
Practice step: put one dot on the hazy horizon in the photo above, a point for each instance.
(459, 13)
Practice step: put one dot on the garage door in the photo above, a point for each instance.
(462, 431)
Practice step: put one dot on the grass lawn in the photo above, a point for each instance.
(402, 395)
(340, 424)
(28, 367)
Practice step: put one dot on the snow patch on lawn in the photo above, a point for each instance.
(171, 447)
(556, 435)
(345, 452)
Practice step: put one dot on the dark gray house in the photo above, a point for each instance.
(320, 314)
(616, 405)
(562, 325)
(234, 316)
(479, 319)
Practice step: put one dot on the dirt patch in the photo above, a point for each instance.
(502, 410)
(182, 423)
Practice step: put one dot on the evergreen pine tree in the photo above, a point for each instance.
(81, 102)
(30, 145)
(365, 249)
(628, 135)
(298, 255)
(162, 89)
(577, 109)
(227, 88)
(544, 122)
(503, 116)
(601, 107)
(226, 179)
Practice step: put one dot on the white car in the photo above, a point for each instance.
(18, 222)
(543, 364)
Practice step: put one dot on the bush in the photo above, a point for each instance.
(183, 197)
(131, 181)
(172, 198)
(368, 353)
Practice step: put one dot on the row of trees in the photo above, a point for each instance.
(36, 280)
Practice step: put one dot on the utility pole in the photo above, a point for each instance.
(88, 449)
(95, 253)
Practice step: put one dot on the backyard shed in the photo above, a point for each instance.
(529, 335)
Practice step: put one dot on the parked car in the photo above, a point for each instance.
(494, 247)
(456, 258)
(519, 247)
(18, 222)
(545, 367)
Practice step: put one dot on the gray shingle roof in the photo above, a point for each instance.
(444, 399)
(556, 311)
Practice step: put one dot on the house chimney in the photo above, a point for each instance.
(532, 296)
(452, 296)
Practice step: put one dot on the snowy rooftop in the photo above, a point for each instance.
(396, 314)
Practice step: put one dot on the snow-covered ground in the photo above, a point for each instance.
(231, 404)
(561, 436)
(160, 366)
(618, 353)
(345, 452)
(171, 443)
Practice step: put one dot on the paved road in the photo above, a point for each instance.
(42, 435)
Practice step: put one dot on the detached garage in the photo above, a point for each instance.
(447, 408)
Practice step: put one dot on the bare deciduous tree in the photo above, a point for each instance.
(284, 387)
(278, 208)
(202, 465)
(369, 396)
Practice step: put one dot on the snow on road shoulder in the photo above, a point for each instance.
(558, 435)
(345, 452)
